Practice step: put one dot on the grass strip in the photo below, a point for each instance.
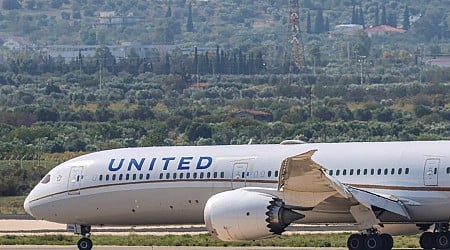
(305, 240)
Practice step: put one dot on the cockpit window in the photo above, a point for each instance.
(46, 179)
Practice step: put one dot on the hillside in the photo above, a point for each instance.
(225, 23)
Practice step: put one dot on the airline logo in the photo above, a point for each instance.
(164, 163)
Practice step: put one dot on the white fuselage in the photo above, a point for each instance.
(170, 185)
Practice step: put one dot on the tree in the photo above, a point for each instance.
(406, 23)
(308, 23)
(383, 20)
(198, 130)
(392, 20)
(319, 22)
(11, 5)
(361, 18)
(354, 17)
(169, 11)
(428, 26)
(190, 23)
(377, 15)
(327, 24)
(105, 58)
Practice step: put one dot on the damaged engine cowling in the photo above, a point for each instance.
(242, 214)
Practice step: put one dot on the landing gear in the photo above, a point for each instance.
(439, 239)
(85, 243)
(370, 241)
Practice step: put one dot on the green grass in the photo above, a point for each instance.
(12, 205)
(308, 240)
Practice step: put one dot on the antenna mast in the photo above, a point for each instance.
(295, 49)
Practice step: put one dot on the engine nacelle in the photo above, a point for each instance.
(242, 214)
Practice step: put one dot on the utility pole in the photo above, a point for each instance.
(295, 50)
(361, 60)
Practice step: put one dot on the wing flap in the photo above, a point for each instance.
(370, 199)
(306, 183)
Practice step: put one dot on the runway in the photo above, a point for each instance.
(36, 227)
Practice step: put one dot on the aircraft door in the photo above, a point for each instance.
(239, 172)
(74, 184)
(431, 172)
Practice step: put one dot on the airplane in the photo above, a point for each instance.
(250, 192)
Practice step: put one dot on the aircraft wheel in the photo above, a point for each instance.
(427, 240)
(388, 241)
(373, 242)
(84, 244)
(355, 242)
(442, 241)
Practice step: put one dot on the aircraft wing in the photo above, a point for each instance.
(306, 184)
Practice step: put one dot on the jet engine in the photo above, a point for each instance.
(242, 214)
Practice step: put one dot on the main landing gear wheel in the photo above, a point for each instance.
(372, 241)
(355, 242)
(84, 244)
(443, 240)
(439, 239)
(388, 241)
(427, 240)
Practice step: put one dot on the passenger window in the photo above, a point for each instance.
(141, 176)
(127, 177)
(276, 173)
(338, 172)
(344, 172)
(107, 177)
(386, 171)
(202, 175)
(248, 174)
(400, 171)
(120, 177)
(195, 175)
(406, 170)
(174, 176)
(358, 171)
(243, 175)
(263, 173)
(331, 172)
(147, 177)
(188, 175)
(372, 171)
(351, 171)
(269, 174)
(393, 171)
(222, 174)
(365, 171)
(161, 176)
(167, 176)
(215, 175)
(134, 177)
(379, 171)
(114, 177)
(100, 178)
(448, 170)
(208, 175)
(181, 175)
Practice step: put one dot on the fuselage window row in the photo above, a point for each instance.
(168, 176)
(379, 171)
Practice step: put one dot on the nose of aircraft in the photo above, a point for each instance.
(26, 205)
